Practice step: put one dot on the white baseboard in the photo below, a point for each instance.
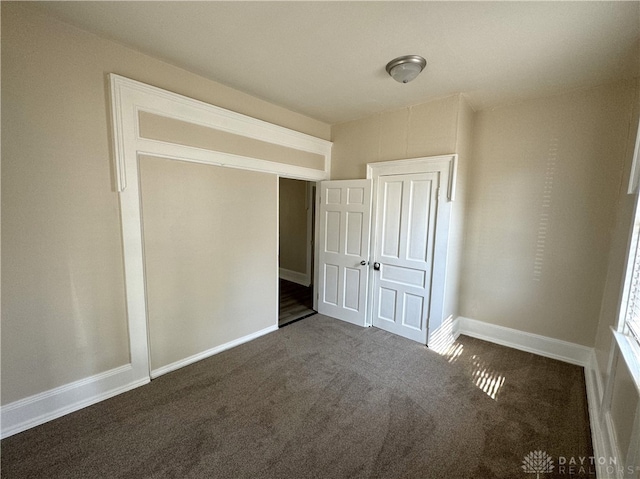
(295, 277)
(210, 352)
(596, 377)
(611, 441)
(523, 341)
(603, 432)
(599, 435)
(34, 410)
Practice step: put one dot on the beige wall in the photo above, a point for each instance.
(293, 225)
(544, 183)
(427, 129)
(209, 238)
(63, 310)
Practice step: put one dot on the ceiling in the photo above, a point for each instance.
(327, 59)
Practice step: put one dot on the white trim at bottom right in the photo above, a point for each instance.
(603, 437)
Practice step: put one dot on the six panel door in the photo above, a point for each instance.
(405, 238)
(343, 249)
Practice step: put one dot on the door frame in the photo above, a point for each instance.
(311, 240)
(446, 165)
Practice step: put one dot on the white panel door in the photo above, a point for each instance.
(405, 240)
(343, 249)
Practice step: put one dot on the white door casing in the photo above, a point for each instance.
(411, 216)
(344, 216)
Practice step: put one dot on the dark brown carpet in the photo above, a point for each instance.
(323, 399)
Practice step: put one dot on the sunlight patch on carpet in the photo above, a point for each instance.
(486, 378)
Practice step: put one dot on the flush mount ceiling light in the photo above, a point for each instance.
(406, 68)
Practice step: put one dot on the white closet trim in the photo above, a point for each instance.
(128, 98)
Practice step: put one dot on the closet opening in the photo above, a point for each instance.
(296, 232)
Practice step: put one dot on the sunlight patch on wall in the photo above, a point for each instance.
(443, 338)
(543, 225)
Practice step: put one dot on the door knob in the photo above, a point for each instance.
(376, 266)
(364, 263)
